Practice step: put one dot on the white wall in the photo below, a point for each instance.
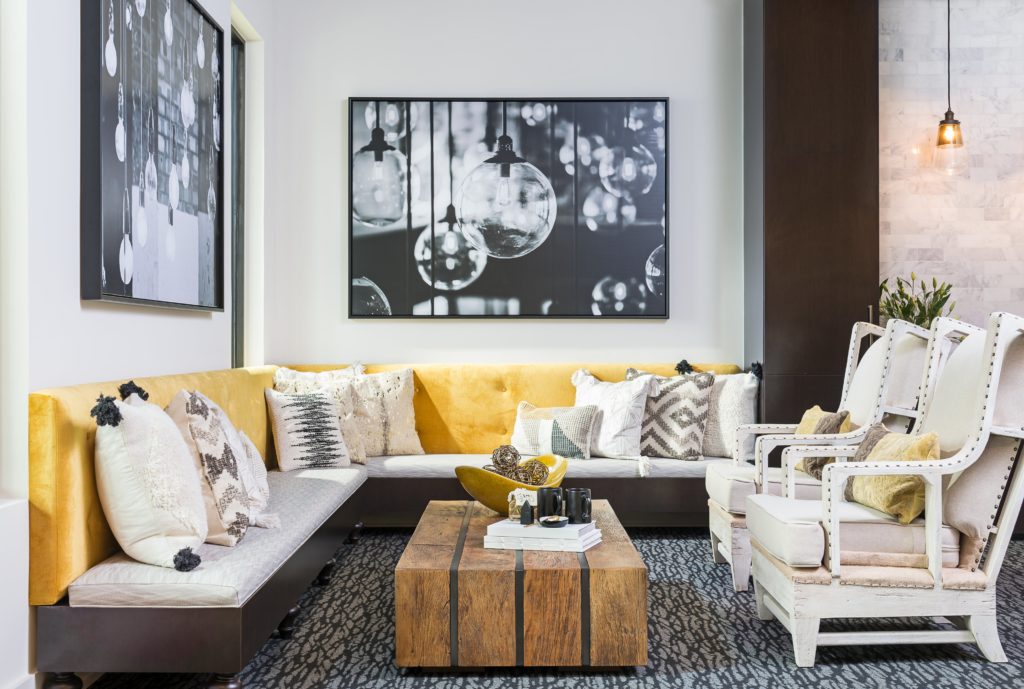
(73, 341)
(325, 51)
(967, 230)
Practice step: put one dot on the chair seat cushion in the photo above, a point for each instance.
(791, 530)
(730, 484)
(443, 466)
(227, 577)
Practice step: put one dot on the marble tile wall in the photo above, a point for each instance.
(967, 229)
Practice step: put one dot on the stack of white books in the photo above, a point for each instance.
(573, 538)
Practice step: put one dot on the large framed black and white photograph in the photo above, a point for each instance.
(152, 227)
(508, 208)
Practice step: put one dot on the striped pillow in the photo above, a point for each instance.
(307, 431)
(675, 418)
(561, 431)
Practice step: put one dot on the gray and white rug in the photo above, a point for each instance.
(702, 634)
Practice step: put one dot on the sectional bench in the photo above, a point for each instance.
(99, 611)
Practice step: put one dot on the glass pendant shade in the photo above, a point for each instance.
(173, 190)
(201, 51)
(186, 169)
(950, 133)
(125, 254)
(110, 50)
(140, 7)
(506, 206)
(607, 214)
(368, 299)
(614, 297)
(119, 129)
(128, 16)
(168, 26)
(654, 271)
(379, 188)
(628, 171)
(452, 263)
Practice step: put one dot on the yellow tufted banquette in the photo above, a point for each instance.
(460, 408)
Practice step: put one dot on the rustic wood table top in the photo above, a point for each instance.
(517, 608)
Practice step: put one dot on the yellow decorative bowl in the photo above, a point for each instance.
(492, 489)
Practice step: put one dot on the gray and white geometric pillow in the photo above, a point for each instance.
(307, 431)
(563, 431)
(620, 412)
(675, 417)
(220, 458)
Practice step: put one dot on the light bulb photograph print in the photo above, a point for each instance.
(508, 208)
(153, 171)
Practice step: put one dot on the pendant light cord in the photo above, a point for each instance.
(949, 52)
(377, 116)
(504, 118)
(451, 154)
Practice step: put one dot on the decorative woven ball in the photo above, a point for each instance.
(505, 458)
(521, 474)
(537, 470)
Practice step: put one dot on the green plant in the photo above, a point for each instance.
(913, 300)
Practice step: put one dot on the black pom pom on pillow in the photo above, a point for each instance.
(128, 389)
(757, 370)
(683, 367)
(185, 560)
(106, 412)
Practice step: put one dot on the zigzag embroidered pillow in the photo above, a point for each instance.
(562, 431)
(307, 431)
(675, 418)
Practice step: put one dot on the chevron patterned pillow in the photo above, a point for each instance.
(675, 418)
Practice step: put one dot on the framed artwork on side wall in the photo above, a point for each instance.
(487, 208)
(152, 226)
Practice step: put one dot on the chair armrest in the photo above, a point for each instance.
(833, 480)
(794, 453)
(755, 429)
(764, 445)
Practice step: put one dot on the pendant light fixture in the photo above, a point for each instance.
(628, 171)
(950, 139)
(140, 223)
(444, 258)
(110, 49)
(379, 188)
(506, 206)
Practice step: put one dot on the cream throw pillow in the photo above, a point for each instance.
(901, 496)
(147, 483)
(394, 425)
(620, 408)
(733, 404)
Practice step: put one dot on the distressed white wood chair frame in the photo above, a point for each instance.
(800, 607)
(730, 540)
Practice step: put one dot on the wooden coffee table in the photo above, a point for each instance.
(460, 605)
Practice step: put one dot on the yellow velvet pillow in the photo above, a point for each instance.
(898, 495)
(816, 421)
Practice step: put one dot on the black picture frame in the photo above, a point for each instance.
(355, 120)
(148, 76)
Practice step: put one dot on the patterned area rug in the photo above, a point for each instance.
(702, 634)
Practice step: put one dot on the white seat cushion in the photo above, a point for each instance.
(791, 530)
(443, 466)
(730, 484)
(304, 499)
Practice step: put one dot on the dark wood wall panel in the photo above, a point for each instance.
(820, 193)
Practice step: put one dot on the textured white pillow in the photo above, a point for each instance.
(259, 491)
(620, 412)
(733, 404)
(147, 483)
(307, 431)
(357, 417)
(388, 396)
(219, 457)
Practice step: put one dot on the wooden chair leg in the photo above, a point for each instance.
(62, 680)
(763, 613)
(286, 628)
(224, 681)
(986, 634)
(324, 577)
(716, 554)
(741, 559)
(805, 640)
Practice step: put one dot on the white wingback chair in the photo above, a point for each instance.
(822, 559)
(883, 384)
